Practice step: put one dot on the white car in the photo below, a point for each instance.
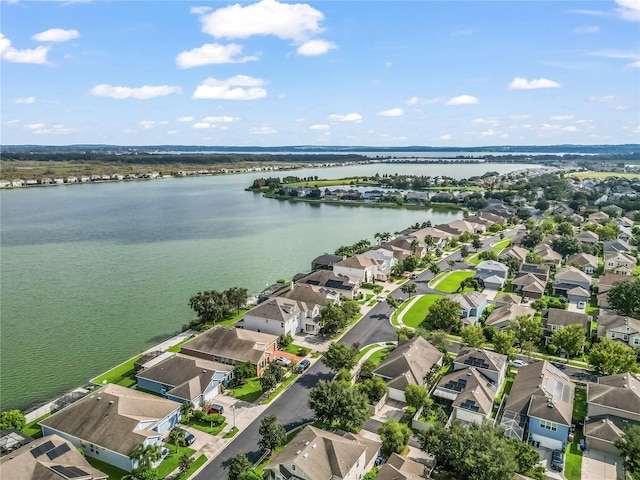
(581, 305)
(518, 363)
(285, 362)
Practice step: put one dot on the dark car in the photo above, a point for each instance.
(189, 438)
(303, 365)
(558, 365)
(214, 408)
(557, 460)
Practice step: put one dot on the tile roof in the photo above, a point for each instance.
(409, 362)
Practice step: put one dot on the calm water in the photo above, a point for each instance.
(93, 274)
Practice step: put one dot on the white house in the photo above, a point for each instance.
(620, 263)
(282, 316)
(618, 327)
(363, 268)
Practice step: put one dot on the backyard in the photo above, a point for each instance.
(573, 464)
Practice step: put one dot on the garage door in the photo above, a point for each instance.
(549, 443)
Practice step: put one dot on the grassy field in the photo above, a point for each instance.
(34, 430)
(451, 282)
(122, 374)
(605, 175)
(415, 315)
(114, 472)
(170, 463)
(249, 392)
(502, 244)
(380, 355)
(366, 349)
(201, 460)
(296, 350)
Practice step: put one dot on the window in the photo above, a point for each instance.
(554, 328)
(548, 425)
(613, 334)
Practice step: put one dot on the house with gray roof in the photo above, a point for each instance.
(316, 454)
(469, 393)
(613, 405)
(539, 407)
(408, 364)
(620, 328)
(329, 282)
(325, 262)
(616, 246)
(568, 278)
(507, 299)
(48, 458)
(587, 236)
(501, 317)
(489, 363)
(472, 305)
(401, 468)
(493, 274)
(554, 319)
(186, 379)
(233, 345)
(112, 421)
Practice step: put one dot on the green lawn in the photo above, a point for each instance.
(474, 259)
(170, 463)
(366, 349)
(451, 282)
(502, 244)
(231, 433)
(122, 374)
(287, 381)
(296, 350)
(114, 472)
(34, 430)
(415, 315)
(201, 460)
(249, 392)
(176, 347)
(380, 355)
(604, 175)
(573, 458)
(205, 427)
(579, 405)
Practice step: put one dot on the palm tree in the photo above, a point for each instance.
(178, 437)
(451, 263)
(429, 241)
(186, 410)
(145, 455)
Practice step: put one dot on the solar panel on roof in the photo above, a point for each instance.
(45, 447)
(476, 362)
(68, 472)
(469, 404)
(59, 450)
(458, 386)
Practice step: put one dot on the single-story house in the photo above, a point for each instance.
(598, 217)
(440, 237)
(501, 317)
(507, 299)
(578, 294)
(569, 278)
(621, 328)
(469, 393)
(539, 407)
(586, 262)
(493, 274)
(588, 236)
(48, 458)
(613, 405)
(233, 345)
(472, 304)
(616, 246)
(529, 285)
(619, 263)
(408, 364)
(186, 379)
(489, 363)
(111, 422)
(317, 454)
(549, 255)
(554, 319)
(517, 253)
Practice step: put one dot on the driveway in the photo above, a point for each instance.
(601, 466)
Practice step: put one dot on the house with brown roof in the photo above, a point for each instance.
(598, 217)
(401, 468)
(620, 328)
(605, 283)
(501, 317)
(284, 316)
(233, 345)
(613, 405)
(316, 454)
(408, 364)
(568, 278)
(515, 252)
(586, 262)
(363, 268)
(111, 422)
(548, 255)
(539, 407)
(555, 319)
(619, 263)
(529, 285)
(182, 378)
(507, 299)
(48, 458)
(587, 236)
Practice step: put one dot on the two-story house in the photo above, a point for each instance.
(489, 363)
(493, 274)
(281, 316)
(539, 407)
(584, 261)
(619, 263)
(555, 319)
(112, 421)
(472, 305)
(620, 328)
(363, 268)
(569, 278)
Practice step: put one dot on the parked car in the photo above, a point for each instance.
(518, 363)
(215, 408)
(581, 305)
(557, 460)
(414, 276)
(303, 365)
(558, 365)
(285, 362)
(189, 438)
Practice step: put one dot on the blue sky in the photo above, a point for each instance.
(397, 73)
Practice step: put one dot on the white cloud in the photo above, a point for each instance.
(201, 125)
(349, 117)
(634, 65)
(629, 9)
(462, 100)
(393, 112)
(570, 128)
(12, 122)
(562, 118)
(42, 129)
(263, 130)
(212, 53)
(591, 13)
(319, 126)
(520, 83)
(142, 93)
(485, 121)
(240, 87)
(36, 55)
(446, 136)
(147, 124)
(172, 132)
(603, 98)
(609, 53)
(489, 133)
(316, 47)
(520, 117)
(586, 29)
(298, 22)
(35, 126)
(220, 119)
(200, 10)
(424, 101)
(56, 35)
(186, 119)
(25, 100)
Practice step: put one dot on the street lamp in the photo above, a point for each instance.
(233, 411)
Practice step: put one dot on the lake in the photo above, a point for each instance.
(92, 275)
